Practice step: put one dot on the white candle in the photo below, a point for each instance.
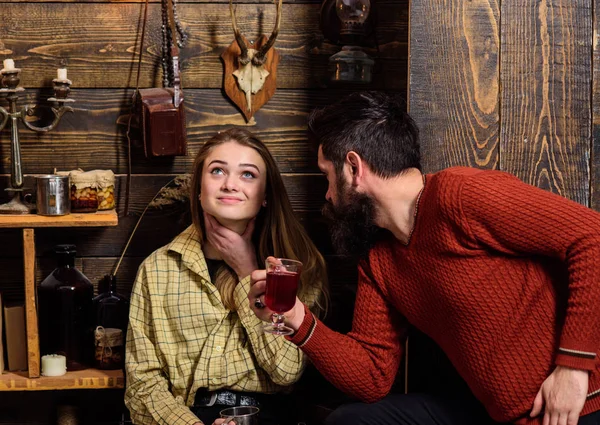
(54, 365)
(9, 64)
(61, 73)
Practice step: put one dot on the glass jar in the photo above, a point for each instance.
(66, 311)
(110, 350)
(105, 180)
(84, 192)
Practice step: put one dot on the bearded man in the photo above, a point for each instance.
(467, 256)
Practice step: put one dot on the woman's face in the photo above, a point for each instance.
(234, 179)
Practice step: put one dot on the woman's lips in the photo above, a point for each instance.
(229, 200)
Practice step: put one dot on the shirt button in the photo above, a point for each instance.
(219, 348)
(213, 380)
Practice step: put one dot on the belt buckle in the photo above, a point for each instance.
(207, 400)
(213, 399)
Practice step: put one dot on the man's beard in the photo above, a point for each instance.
(352, 223)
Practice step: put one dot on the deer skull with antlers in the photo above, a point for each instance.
(254, 67)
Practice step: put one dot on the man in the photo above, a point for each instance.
(503, 276)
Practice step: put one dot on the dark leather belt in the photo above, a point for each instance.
(225, 398)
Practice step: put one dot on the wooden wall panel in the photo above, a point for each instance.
(454, 71)
(99, 43)
(94, 135)
(546, 80)
(595, 144)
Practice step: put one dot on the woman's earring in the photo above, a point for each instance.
(264, 204)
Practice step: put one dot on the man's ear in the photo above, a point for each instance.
(357, 167)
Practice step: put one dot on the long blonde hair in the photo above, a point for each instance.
(277, 231)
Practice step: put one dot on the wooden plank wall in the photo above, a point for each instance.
(98, 40)
(508, 85)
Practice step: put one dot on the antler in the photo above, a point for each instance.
(260, 56)
(238, 37)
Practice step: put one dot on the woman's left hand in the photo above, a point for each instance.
(237, 250)
(221, 421)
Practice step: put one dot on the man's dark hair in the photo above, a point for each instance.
(373, 124)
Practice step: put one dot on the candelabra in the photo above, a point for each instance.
(10, 90)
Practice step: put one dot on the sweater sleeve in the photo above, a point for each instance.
(363, 363)
(515, 218)
(280, 359)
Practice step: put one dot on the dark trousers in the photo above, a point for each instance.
(422, 409)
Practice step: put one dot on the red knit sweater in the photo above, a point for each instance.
(505, 277)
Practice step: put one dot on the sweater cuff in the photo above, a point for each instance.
(576, 359)
(305, 330)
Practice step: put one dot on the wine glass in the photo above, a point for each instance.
(283, 275)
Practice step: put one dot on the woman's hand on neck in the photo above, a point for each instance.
(238, 227)
(233, 244)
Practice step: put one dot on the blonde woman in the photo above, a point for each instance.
(194, 347)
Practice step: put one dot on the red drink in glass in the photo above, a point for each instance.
(281, 290)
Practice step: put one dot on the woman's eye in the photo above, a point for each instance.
(217, 171)
(248, 175)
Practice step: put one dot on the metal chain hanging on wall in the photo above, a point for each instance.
(167, 40)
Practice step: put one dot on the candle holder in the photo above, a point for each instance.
(10, 90)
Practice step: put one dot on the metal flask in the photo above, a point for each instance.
(52, 195)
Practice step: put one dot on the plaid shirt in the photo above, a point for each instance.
(181, 338)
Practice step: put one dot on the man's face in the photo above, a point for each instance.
(351, 213)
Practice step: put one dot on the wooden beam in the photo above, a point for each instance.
(33, 343)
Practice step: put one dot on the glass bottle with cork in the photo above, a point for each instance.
(111, 312)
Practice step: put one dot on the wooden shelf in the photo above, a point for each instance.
(99, 219)
(25, 381)
(83, 379)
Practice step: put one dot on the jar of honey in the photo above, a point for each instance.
(105, 180)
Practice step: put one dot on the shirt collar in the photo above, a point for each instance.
(189, 245)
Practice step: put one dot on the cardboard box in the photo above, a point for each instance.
(16, 337)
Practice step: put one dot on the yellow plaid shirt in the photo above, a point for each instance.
(181, 338)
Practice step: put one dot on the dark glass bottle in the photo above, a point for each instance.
(111, 313)
(65, 311)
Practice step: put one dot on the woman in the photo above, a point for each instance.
(194, 347)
